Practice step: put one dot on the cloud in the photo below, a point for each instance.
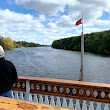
(76, 7)
(92, 9)
(54, 21)
(42, 18)
(13, 23)
(26, 27)
(49, 7)
(65, 21)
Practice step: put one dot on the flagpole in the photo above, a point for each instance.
(82, 52)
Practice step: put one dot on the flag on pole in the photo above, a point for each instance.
(79, 22)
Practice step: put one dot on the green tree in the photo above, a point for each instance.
(98, 43)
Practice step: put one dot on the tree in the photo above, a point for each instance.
(98, 43)
(8, 43)
(1, 41)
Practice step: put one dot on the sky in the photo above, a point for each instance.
(43, 21)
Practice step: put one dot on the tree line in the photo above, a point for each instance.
(97, 42)
(9, 43)
(25, 44)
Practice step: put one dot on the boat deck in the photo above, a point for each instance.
(15, 104)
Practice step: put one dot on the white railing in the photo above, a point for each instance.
(63, 93)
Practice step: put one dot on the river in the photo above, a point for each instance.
(57, 63)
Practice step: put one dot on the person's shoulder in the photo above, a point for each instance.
(8, 61)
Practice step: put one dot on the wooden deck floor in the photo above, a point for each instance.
(13, 104)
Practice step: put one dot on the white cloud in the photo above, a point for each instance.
(52, 25)
(42, 18)
(65, 21)
(45, 28)
(102, 23)
(16, 23)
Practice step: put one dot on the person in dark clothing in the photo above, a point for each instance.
(8, 75)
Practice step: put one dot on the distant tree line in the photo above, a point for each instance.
(25, 44)
(9, 43)
(98, 43)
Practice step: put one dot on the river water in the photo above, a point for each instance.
(57, 63)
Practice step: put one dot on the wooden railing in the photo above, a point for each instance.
(65, 93)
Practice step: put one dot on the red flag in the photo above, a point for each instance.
(79, 22)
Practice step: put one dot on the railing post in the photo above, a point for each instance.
(27, 96)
